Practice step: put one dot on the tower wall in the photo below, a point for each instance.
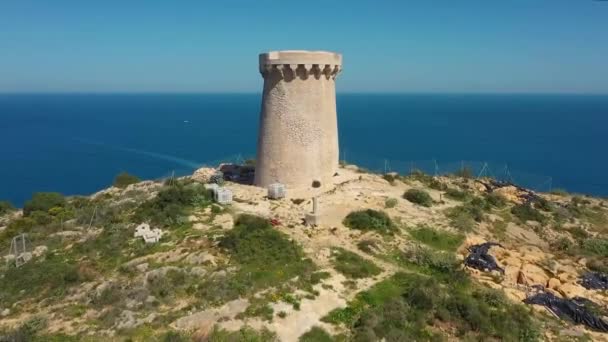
(298, 136)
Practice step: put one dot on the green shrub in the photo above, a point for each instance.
(578, 233)
(352, 265)
(43, 201)
(596, 246)
(246, 333)
(438, 239)
(263, 256)
(316, 334)
(259, 309)
(124, 179)
(496, 200)
(5, 207)
(564, 245)
(47, 277)
(458, 195)
(402, 308)
(526, 212)
(542, 204)
(559, 192)
(434, 262)
(367, 246)
(465, 217)
(390, 203)
(28, 331)
(369, 219)
(389, 178)
(419, 197)
(169, 206)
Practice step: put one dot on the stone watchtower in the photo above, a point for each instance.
(298, 137)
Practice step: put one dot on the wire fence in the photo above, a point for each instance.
(474, 169)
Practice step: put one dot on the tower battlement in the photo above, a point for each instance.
(289, 64)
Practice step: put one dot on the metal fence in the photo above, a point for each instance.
(474, 169)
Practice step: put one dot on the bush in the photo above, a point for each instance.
(369, 219)
(559, 192)
(5, 207)
(526, 212)
(597, 247)
(458, 195)
(434, 262)
(124, 179)
(496, 200)
(352, 265)
(48, 277)
(43, 201)
(316, 334)
(542, 204)
(246, 333)
(564, 245)
(367, 246)
(402, 308)
(264, 257)
(438, 239)
(419, 197)
(465, 217)
(390, 203)
(390, 178)
(169, 206)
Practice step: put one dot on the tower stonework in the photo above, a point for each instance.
(298, 136)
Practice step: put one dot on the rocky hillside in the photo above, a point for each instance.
(385, 263)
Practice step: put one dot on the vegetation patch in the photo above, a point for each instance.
(525, 212)
(437, 239)
(595, 246)
(390, 203)
(48, 277)
(412, 307)
(369, 219)
(264, 257)
(6, 207)
(124, 179)
(457, 195)
(43, 202)
(316, 334)
(352, 265)
(244, 334)
(170, 206)
(419, 197)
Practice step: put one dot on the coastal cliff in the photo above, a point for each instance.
(384, 262)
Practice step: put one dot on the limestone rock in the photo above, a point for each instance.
(203, 174)
(142, 267)
(530, 274)
(39, 250)
(198, 271)
(570, 290)
(554, 283)
(224, 220)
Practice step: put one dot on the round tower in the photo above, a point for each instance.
(298, 136)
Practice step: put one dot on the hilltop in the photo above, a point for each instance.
(386, 262)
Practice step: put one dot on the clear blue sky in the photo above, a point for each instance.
(212, 46)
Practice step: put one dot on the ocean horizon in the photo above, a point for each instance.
(75, 143)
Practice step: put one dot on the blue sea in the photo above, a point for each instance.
(76, 144)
